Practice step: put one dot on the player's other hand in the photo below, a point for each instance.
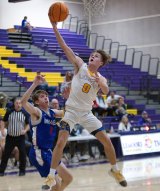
(39, 79)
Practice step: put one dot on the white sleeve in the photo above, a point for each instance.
(120, 126)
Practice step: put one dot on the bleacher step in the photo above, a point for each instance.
(151, 106)
(11, 88)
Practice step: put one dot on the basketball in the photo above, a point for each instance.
(58, 12)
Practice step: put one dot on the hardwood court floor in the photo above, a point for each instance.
(142, 175)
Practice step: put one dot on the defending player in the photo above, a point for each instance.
(45, 133)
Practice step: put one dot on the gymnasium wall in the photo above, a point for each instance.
(35, 10)
(135, 23)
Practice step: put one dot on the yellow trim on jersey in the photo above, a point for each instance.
(91, 73)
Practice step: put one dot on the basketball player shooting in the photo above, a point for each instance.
(85, 84)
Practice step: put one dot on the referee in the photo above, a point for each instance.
(17, 124)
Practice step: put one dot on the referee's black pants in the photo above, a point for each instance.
(10, 143)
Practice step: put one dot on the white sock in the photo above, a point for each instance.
(115, 167)
(52, 171)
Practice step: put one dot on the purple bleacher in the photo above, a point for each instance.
(75, 41)
(30, 59)
(33, 62)
(62, 71)
(120, 73)
(127, 75)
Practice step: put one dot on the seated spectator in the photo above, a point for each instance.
(144, 119)
(25, 25)
(66, 85)
(112, 100)
(121, 108)
(124, 125)
(54, 104)
(80, 146)
(3, 100)
(99, 106)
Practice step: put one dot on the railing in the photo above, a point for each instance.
(130, 56)
(44, 46)
(114, 48)
(20, 81)
(2, 74)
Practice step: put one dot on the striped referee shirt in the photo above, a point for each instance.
(17, 120)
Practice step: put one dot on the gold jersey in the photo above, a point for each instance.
(83, 90)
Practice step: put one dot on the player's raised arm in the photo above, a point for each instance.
(39, 79)
(75, 60)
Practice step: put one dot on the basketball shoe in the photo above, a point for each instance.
(118, 177)
(49, 182)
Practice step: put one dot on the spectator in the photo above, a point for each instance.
(124, 125)
(121, 108)
(25, 26)
(81, 146)
(112, 103)
(3, 100)
(66, 85)
(144, 119)
(99, 107)
(17, 123)
(54, 104)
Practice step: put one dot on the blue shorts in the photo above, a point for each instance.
(41, 159)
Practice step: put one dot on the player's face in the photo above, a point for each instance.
(95, 59)
(43, 100)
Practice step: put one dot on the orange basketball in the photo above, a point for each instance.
(58, 12)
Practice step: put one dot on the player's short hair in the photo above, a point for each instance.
(106, 58)
(36, 95)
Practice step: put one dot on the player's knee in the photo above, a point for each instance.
(64, 126)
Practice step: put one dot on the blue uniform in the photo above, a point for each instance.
(44, 137)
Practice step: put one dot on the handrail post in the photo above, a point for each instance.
(156, 58)
(44, 45)
(127, 52)
(135, 52)
(158, 67)
(71, 21)
(64, 21)
(30, 42)
(2, 78)
(89, 39)
(109, 44)
(117, 48)
(80, 23)
(97, 40)
(148, 62)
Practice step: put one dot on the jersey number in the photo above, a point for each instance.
(86, 88)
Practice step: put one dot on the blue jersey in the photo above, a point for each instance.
(45, 130)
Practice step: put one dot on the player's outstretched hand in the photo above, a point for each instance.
(100, 79)
(39, 79)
